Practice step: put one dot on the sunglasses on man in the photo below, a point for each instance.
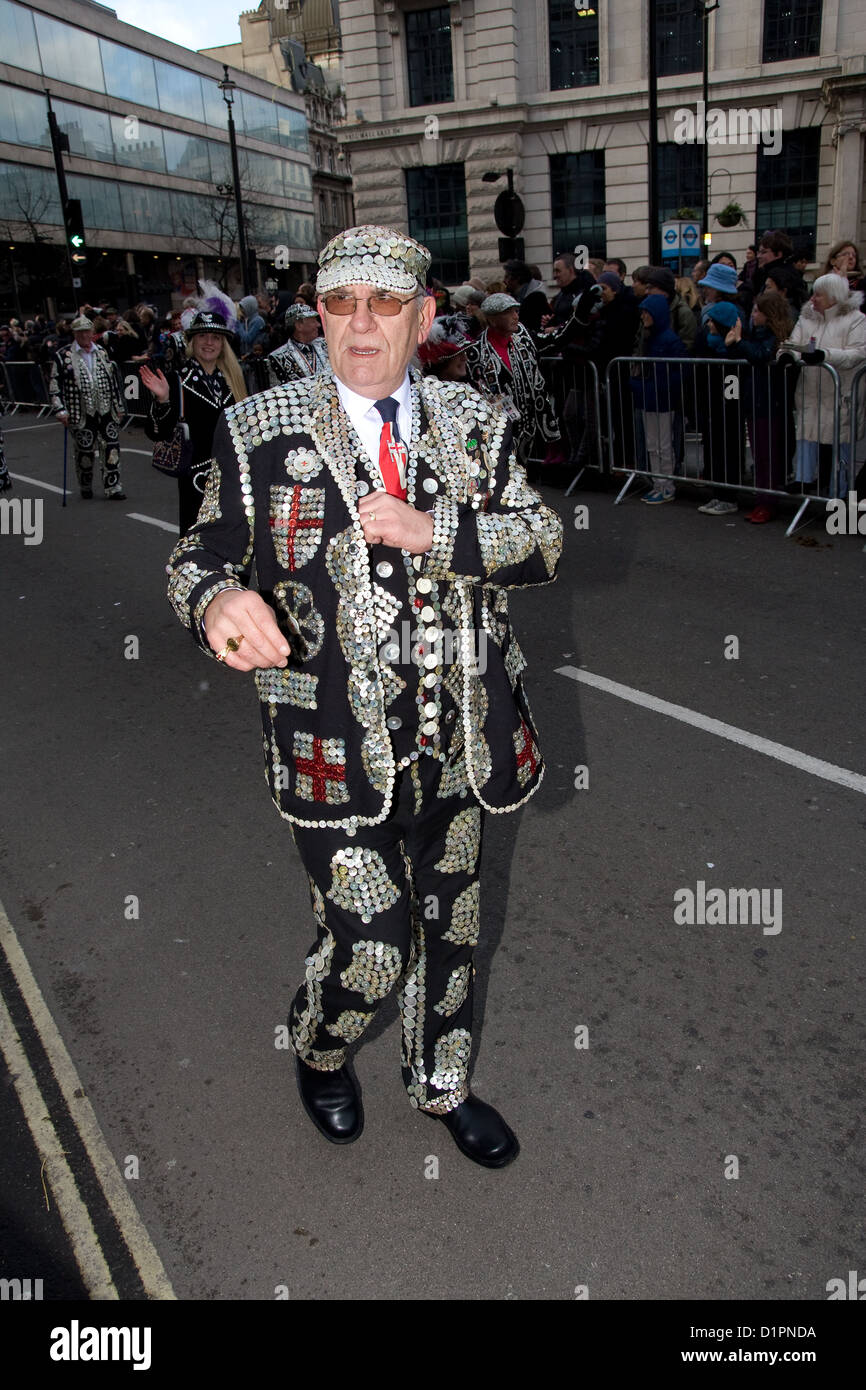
(380, 302)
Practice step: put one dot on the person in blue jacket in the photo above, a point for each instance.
(657, 390)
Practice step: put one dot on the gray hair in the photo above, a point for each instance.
(837, 289)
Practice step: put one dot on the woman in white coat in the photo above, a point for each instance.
(830, 329)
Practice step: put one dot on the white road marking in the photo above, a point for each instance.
(136, 516)
(35, 482)
(155, 521)
(843, 776)
(147, 453)
(153, 1276)
(22, 429)
(73, 1212)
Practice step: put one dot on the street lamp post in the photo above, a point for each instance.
(705, 10)
(653, 133)
(227, 87)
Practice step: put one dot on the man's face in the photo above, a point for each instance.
(562, 274)
(84, 338)
(510, 282)
(370, 352)
(306, 331)
(766, 255)
(639, 289)
(506, 322)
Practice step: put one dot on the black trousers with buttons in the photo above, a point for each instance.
(396, 905)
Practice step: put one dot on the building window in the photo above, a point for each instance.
(573, 31)
(436, 196)
(68, 52)
(18, 37)
(577, 201)
(128, 74)
(787, 186)
(679, 37)
(680, 174)
(792, 29)
(428, 56)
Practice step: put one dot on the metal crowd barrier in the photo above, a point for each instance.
(857, 437)
(726, 422)
(24, 385)
(136, 398)
(575, 389)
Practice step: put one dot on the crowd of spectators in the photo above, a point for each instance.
(687, 338)
(762, 321)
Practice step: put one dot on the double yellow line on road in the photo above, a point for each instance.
(73, 1212)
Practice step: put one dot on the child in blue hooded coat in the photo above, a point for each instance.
(657, 390)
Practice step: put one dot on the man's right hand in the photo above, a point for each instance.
(239, 613)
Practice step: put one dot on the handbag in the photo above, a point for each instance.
(174, 456)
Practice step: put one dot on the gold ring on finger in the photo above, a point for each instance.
(234, 642)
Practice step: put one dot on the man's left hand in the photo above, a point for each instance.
(388, 521)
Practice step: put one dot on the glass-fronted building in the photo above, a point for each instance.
(148, 158)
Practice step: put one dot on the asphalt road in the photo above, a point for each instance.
(706, 1141)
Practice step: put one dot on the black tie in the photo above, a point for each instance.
(388, 410)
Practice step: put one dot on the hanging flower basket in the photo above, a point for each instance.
(731, 216)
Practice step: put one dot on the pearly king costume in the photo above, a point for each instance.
(517, 381)
(86, 386)
(401, 713)
(296, 360)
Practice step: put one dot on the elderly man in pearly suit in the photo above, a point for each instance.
(388, 517)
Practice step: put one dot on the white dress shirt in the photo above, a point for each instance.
(368, 422)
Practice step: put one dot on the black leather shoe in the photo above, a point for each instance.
(332, 1101)
(480, 1133)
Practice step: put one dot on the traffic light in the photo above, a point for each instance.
(75, 231)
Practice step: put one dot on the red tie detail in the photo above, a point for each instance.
(392, 451)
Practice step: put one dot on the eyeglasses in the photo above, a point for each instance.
(385, 304)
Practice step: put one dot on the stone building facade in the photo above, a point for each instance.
(439, 94)
(299, 46)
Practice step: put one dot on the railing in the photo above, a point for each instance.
(769, 429)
